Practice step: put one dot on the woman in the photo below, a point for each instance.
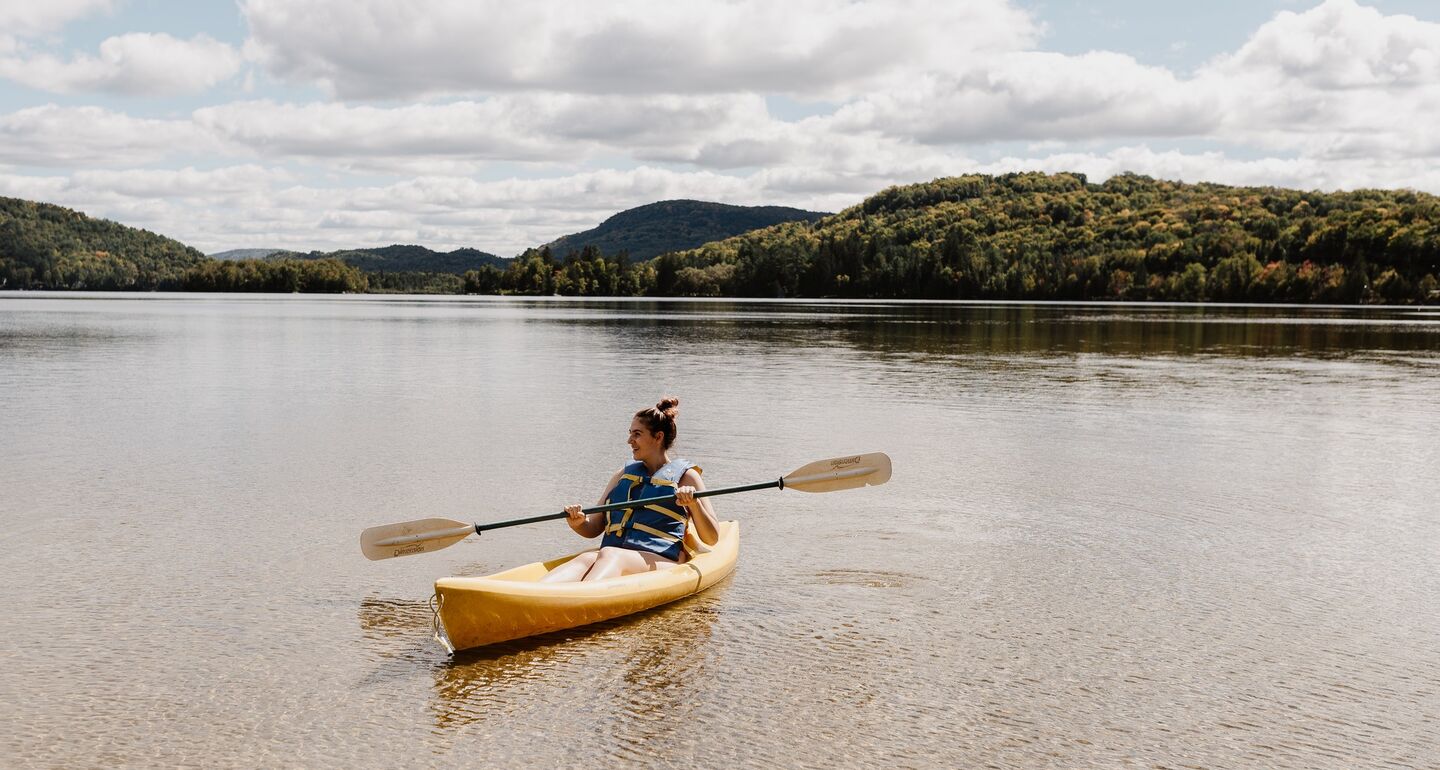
(652, 536)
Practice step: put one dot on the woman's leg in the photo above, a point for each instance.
(613, 562)
(572, 570)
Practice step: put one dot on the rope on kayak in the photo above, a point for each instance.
(437, 629)
(699, 576)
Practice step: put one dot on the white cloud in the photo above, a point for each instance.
(189, 182)
(1340, 45)
(720, 132)
(1338, 81)
(54, 136)
(31, 187)
(21, 20)
(483, 130)
(1036, 95)
(380, 48)
(24, 18)
(138, 64)
(457, 138)
(523, 127)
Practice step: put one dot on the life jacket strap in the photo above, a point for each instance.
(666, 511)
(666, 536)
(619, 529)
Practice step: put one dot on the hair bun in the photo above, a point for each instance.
(660, 418)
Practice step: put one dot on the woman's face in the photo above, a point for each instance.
(642, 442)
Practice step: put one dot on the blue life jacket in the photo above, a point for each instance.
(658, 527)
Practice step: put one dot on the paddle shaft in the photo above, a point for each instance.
(780, 483)
(425, 535)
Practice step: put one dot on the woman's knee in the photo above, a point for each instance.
(612, 562)
(611, 553)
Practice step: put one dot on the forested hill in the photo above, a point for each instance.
(1017, 236)
(1049, 237)
(399, 259)
(43, 246)
(653, 229)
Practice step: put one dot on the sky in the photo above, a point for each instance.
(497, 125)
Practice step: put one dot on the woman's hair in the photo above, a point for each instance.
(660, 418)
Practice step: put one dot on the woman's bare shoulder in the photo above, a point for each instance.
(691, 478)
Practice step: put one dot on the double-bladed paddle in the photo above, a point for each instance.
(424, 535)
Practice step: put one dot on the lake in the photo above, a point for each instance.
(1116, 534)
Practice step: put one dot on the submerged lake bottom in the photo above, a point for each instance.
(1149, 535)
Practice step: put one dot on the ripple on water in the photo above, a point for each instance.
(864, 578)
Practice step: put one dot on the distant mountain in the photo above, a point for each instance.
(404, 259)
(236, 254)
(43, 246)
(1033, 236)
(654, 229)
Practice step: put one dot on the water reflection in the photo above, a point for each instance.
(385, 620)
(640, 676)
(868, 326)
(1155, 331)
(951, 329)
(397, 640)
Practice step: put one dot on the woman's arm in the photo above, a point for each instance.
(701, 514)
(590, 524)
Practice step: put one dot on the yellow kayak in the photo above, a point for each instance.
(507, 605)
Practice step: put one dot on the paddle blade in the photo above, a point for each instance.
(851, 472)
(411, 537)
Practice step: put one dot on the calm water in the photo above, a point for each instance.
(1115, 534)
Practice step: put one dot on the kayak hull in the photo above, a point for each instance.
(476, 611)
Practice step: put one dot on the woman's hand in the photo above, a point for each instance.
(702, 514)
(573, 516)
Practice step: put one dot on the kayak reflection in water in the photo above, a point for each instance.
(652, 536)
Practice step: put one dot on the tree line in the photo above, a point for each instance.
(1057, 237)
(1043, 237)
(1014, 236)
(319, 276)
(43, 246)
(584, 273)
